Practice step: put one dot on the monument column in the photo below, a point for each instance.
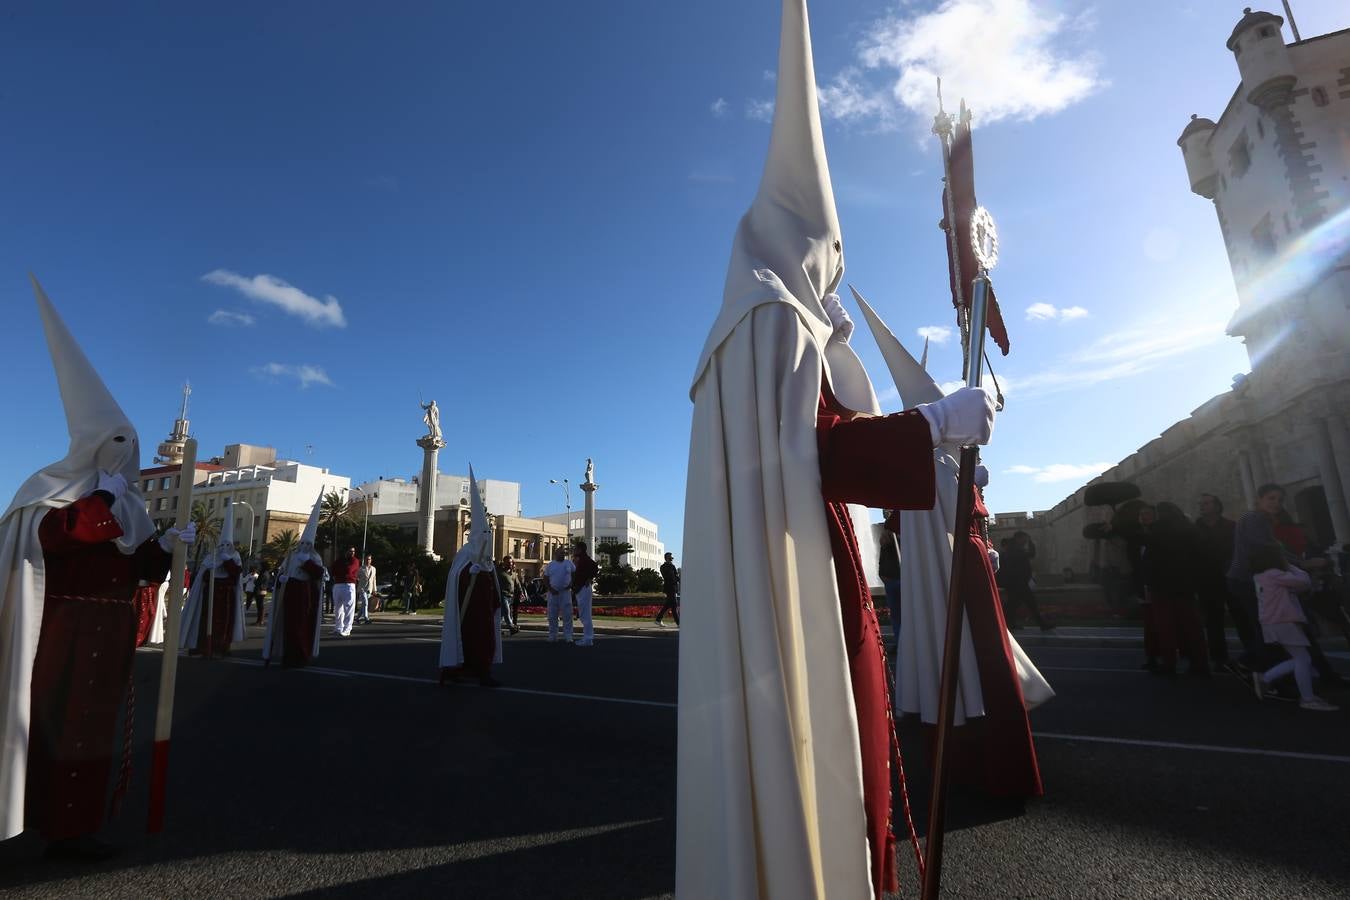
(431, 444)
(590, 487)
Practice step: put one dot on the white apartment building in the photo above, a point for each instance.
(620, 526)
(281, 494)
(400, 495)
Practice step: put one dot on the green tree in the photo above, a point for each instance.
(649, 581)
(275, 550)
(615, 550)
(208, 530)
(335, 513)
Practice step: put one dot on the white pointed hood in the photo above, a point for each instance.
(911, 378)
(789, 246)
(477, 547)
(311, 532)
(227, 525)
(101, 436)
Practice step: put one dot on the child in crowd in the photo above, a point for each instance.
(1282, 619)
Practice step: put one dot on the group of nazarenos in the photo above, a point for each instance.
(787, 742)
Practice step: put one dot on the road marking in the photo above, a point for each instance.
(1208, 748)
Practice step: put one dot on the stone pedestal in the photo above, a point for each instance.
(426, 497)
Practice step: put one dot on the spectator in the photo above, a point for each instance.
(1140, 562)
(584, 572)
(559, 575)
(1256, 528)
(1172, 552)
(1015, 569)
(345, 574)
(511, 590)
(1215, 535)
(1281, 615)
(670, 583)
(365, 590)
(412, 580)
(251, 587)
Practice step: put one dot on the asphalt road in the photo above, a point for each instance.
(360, 777)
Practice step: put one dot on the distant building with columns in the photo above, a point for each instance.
(1276, 166)
(619, 526)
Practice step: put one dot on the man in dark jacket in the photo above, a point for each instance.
(1216, 556)
(670, 577)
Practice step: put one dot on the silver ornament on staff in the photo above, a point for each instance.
(984, 240)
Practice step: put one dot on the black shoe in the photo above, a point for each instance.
(85, 848)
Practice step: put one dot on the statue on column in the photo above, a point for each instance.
(590, 471)
(432, 418)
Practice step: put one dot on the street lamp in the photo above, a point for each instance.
(251, 516)
(365, 522)
(567, 499)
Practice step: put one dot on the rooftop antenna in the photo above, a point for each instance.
(1293, 26)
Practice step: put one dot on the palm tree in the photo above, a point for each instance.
(614, 550)
(208, 530)
(335, 511)
(275, 550)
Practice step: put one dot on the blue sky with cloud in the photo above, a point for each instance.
(319, 212)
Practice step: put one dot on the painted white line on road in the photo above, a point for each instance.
(1207, 748)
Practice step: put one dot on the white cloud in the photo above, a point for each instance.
(229, 317)
(759, 110)
(847, 98)
(1123, 354)
(1008, 57)
(306, 375)
(1060, 471)
(719, 107)
(938, 334)
(270, 289)
(1041, 312)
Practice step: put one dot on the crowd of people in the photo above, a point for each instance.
(1261, 571)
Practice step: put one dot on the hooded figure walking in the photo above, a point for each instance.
(76, 545)
(471, 634)
(293, 627)
(786, 748)
(216, 596)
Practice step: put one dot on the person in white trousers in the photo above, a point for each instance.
(346, 572)
(365, 590)
(584, 574)
(559, 577)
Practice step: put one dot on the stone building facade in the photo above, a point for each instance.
(1276, 166)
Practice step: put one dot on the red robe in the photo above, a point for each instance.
(995, 751)
(300, 612)
(884, 461)
(222, 606)
(83, 665)
(477, 622)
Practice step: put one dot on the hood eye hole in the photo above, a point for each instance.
(119, 439)
(838, 247)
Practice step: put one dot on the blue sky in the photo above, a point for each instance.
(525, 211)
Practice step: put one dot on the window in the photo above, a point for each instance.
(1319, 96)
(1263, 239)
(164, 484)
(1240, 155)
(174, 504)
(1266, 31)
(159, 504)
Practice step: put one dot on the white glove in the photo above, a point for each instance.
(964, 417)
(839, 318)
(115, 483)
(187, 536)
(982, 480)
(993, 559)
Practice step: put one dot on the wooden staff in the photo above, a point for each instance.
(951, 654)
(159, 767)
(210, 605)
